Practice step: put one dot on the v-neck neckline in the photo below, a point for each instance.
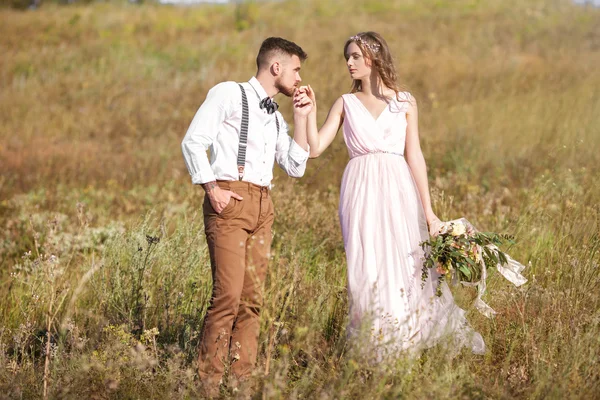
(369, 112)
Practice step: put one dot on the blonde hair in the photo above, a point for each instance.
(374, 47)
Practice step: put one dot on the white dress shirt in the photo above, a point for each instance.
(216, 127)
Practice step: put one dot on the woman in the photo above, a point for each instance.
(385, 208)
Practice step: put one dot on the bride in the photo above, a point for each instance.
(385, 208)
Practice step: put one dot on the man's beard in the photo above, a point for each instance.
(283, 89)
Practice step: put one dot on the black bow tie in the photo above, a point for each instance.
(268, 104)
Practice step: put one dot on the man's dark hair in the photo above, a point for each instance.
(274, 45)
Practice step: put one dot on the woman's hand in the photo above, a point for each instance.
(312, 96)
(435, 225)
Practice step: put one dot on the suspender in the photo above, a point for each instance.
(241, 159)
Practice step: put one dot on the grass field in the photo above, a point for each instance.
(104, 274)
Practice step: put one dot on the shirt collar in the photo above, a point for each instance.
(258, 88)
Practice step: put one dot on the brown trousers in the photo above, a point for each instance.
(239, 241)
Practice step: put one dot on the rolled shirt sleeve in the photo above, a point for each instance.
(204, 129)
(289, 155)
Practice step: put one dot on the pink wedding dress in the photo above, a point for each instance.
(383, 223)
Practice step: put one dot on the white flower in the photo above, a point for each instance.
(458, 229)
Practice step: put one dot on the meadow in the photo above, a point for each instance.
(104, 271)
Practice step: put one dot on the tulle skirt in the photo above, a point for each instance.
(383, 223)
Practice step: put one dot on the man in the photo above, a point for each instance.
(245, 133)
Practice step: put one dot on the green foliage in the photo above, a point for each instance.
(246, 15)
(458, 253)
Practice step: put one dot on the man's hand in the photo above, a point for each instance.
(303, 94)
(219, 198)
(303, 103)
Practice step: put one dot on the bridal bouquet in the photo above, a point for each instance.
(462, 254)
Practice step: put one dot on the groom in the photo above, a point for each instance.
(240, 125)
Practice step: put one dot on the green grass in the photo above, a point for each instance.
(95, 100)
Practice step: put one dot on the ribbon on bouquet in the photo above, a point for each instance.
(511, 271)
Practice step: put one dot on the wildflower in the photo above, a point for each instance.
(152, 239)
(440, 269)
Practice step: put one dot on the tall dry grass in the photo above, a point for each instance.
(102, 234)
